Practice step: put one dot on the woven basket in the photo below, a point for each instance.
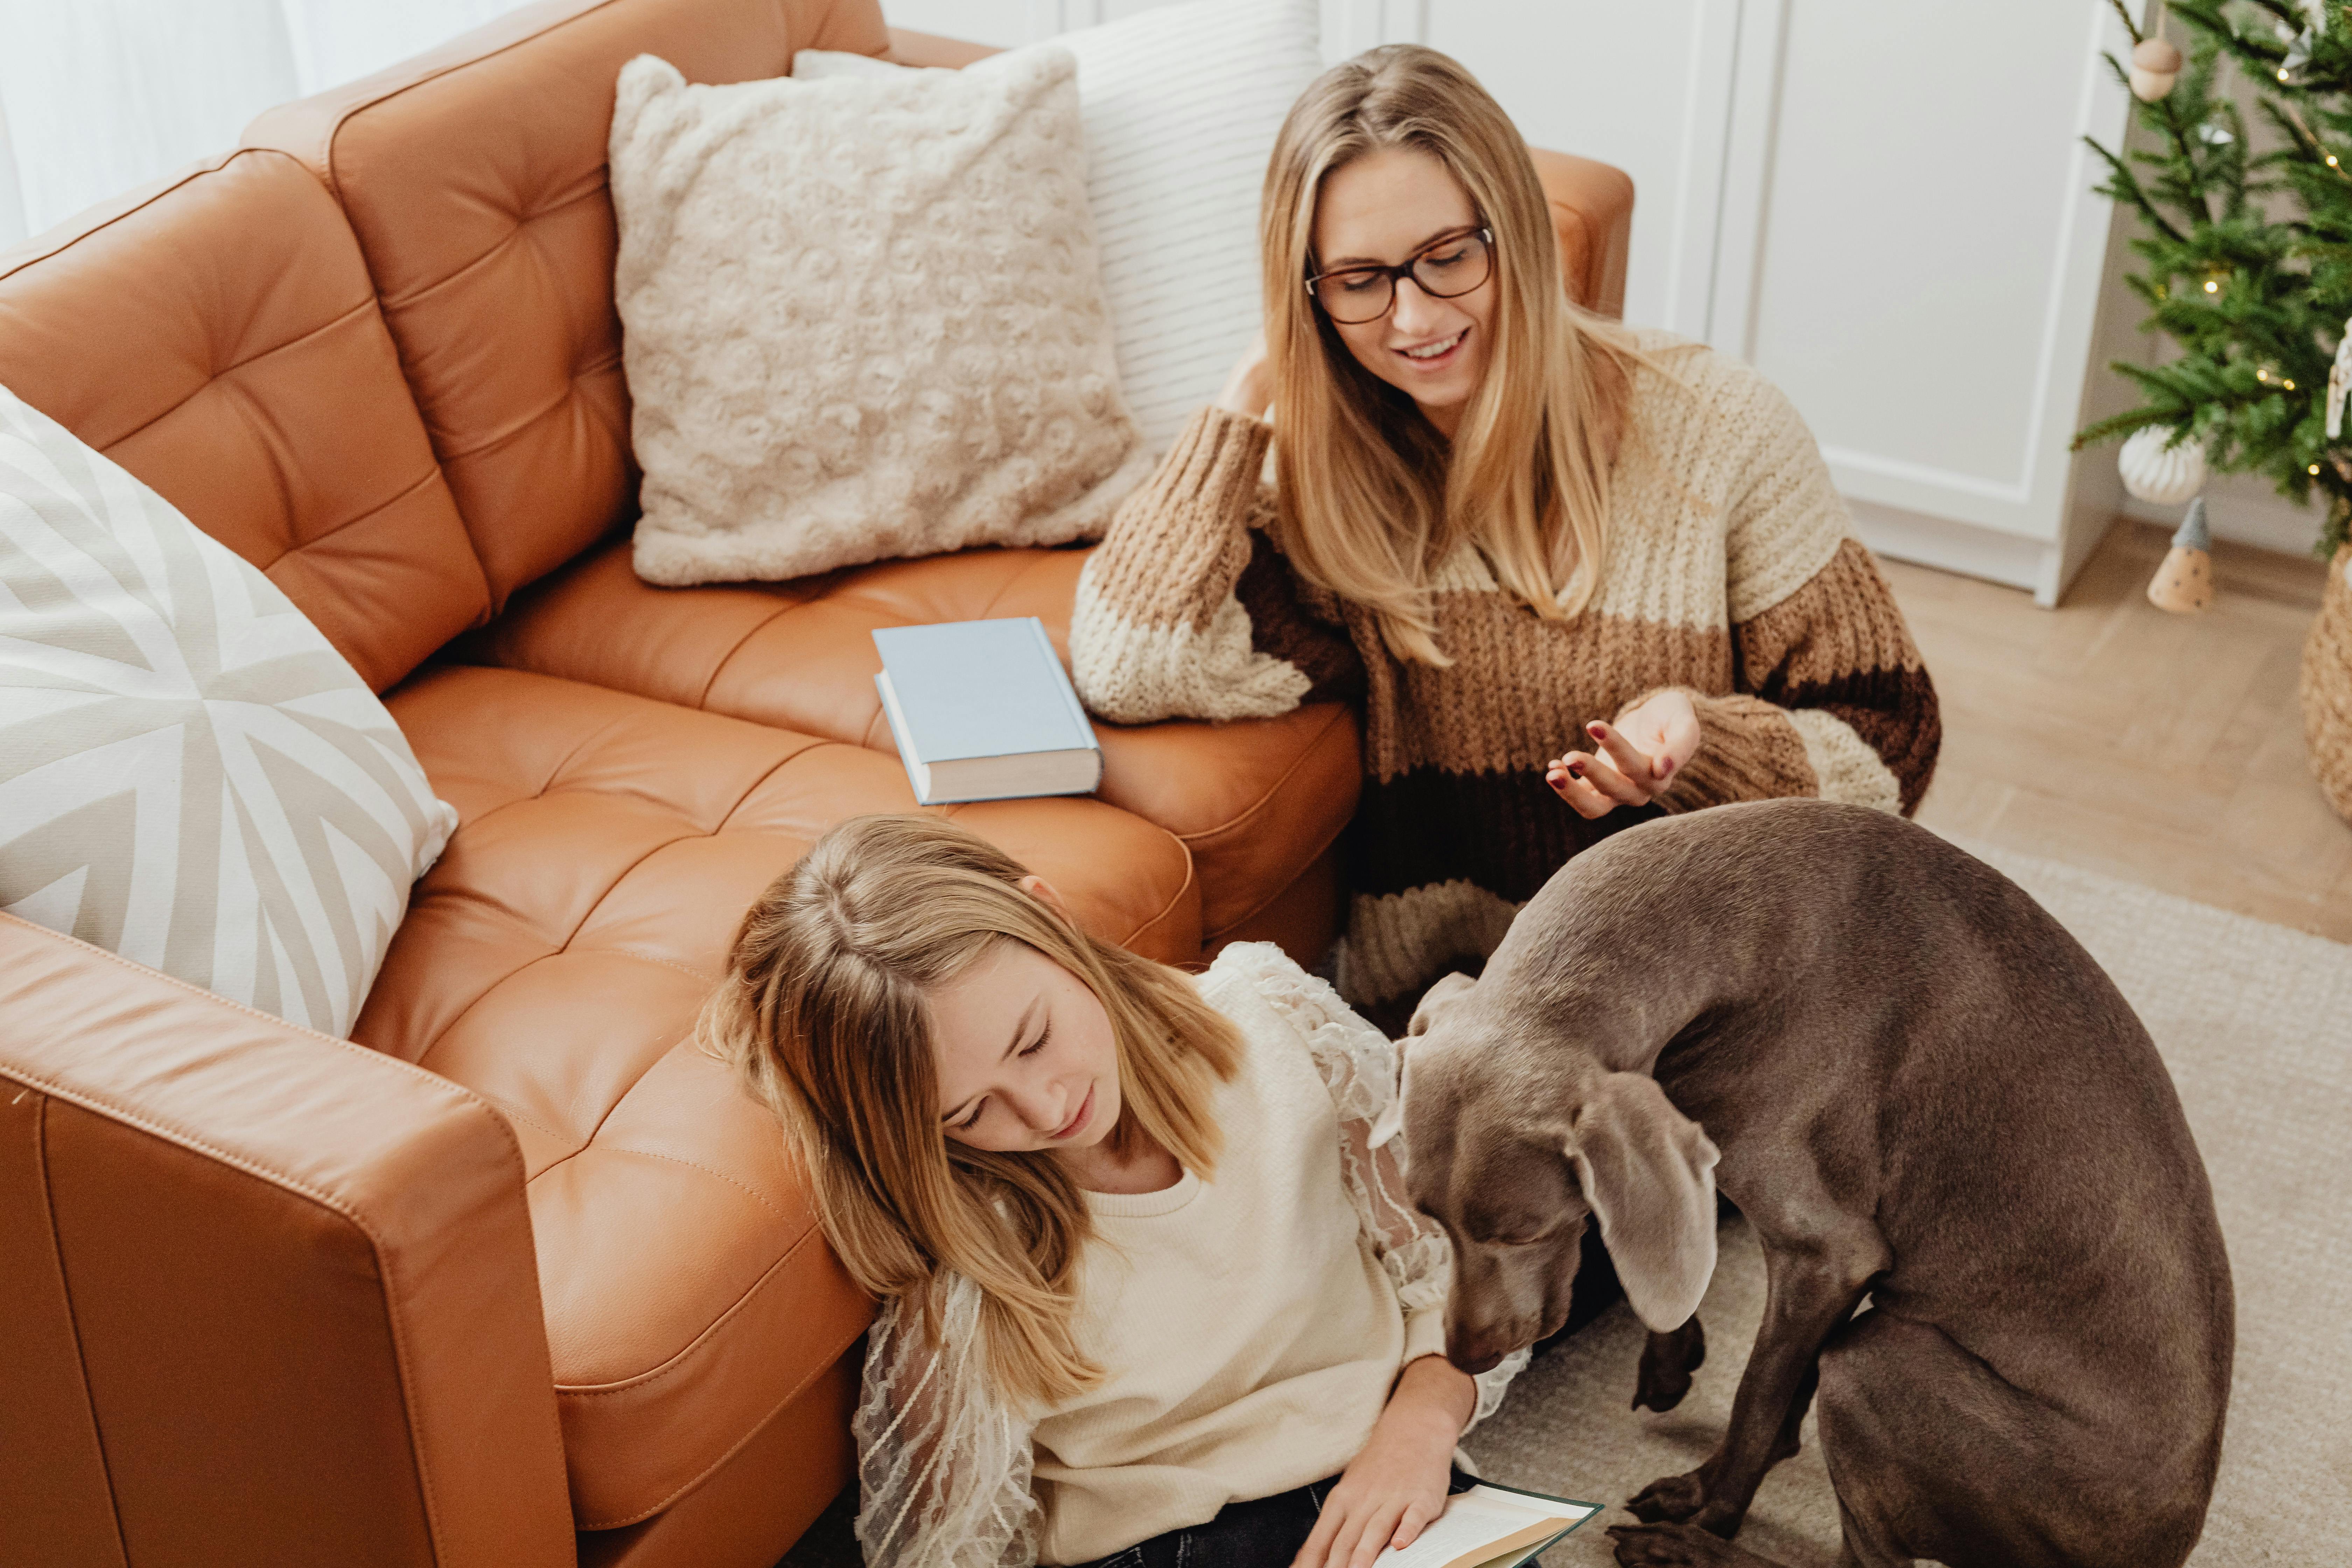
(2327, 687)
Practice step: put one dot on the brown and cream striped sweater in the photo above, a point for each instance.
(1731, 574)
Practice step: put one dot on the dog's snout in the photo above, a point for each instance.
(1475, 1365)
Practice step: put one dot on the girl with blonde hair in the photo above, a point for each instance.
(1574, 575)
(1151, 1292)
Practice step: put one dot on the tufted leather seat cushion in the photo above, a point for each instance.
(553, 962)
(1256, 801)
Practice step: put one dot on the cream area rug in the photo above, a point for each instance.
(2255, 1022)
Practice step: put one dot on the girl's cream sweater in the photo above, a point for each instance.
(1250, 1327)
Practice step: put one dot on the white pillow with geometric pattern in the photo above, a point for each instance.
(190, 775)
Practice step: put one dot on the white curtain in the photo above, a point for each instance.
(96, 96)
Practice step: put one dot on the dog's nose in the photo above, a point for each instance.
(1474, 1365)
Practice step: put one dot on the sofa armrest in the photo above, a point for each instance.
(1592, 209)
(912, 48)
(269, 1298)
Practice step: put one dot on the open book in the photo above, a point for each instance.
(1489, 1527)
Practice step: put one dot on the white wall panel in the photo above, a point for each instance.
(1907, 275)
(1645, 86)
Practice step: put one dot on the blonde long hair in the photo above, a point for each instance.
(1372, 499)
(823, 1015)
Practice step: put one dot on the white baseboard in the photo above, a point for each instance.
(2031, 564)
(2245, 510)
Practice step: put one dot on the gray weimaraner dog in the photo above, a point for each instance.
(1923, 1094)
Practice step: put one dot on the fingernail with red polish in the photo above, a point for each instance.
(1596, 731)
(1665, 767)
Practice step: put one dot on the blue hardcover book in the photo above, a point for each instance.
(981, 710)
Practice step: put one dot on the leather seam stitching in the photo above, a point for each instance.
(443, 1032)
(823, 1367)
(222, 161)
(256, 358)
(513, 431)
(813, 1236)
(522, 222)
(685, 969)
(73, 1319)
(702, 697)
(432, 472)
(716, 1175)
(816, 743)
(1173, 898)
(395, 1318)
(1250, 812)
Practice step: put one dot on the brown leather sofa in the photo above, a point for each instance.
(516, 1276)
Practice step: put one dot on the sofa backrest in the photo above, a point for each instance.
(474, 178)
(218, 335)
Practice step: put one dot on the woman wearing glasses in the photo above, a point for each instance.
(1576, 575)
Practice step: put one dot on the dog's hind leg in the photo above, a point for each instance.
(1933, 1455)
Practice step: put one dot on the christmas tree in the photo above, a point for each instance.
(2248, 252)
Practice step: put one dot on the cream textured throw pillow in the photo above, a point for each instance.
(862, 319)
(1182, 105)
(190, 774)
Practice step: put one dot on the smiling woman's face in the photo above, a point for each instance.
(1025, 1055)
(1384, 208)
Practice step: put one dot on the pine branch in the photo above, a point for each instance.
(2123, 186)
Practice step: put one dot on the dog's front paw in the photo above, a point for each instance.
(1667, 1362)
(1674, 1546)
(1669, 1500)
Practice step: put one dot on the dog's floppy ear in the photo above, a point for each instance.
(1437, 999)
(1649, 1173)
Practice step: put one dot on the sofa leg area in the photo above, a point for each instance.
(752, 1509)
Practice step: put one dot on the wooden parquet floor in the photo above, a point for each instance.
(2166, 750)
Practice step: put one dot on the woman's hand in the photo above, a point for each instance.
(1633, 760)
(1391, 1489)
(1250, 389)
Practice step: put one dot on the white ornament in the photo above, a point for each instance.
(2157, 473)
(2339, 382)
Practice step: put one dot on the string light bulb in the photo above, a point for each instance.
(2288, 385)
(2312, 471)
(2213, 286)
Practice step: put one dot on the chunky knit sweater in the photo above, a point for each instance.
(1731, 574)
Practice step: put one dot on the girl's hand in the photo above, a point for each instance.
(1391, 1489)
(1633, 760)
(1250, 389)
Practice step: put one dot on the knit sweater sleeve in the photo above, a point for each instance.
(1831, 697)
(1187, 611)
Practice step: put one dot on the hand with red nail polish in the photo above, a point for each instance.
(1631, 760)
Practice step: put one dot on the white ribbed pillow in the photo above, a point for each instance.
(1182, 104)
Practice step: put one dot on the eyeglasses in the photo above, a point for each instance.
(1449, 265)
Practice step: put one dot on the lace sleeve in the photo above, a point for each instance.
(943, 1467)
(1360, 1066)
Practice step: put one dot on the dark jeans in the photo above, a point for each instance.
(1264, 1532)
